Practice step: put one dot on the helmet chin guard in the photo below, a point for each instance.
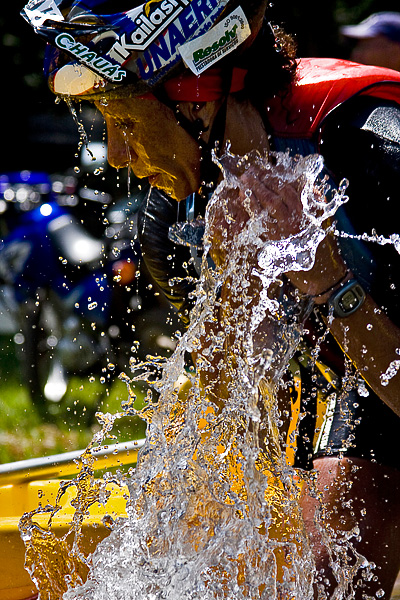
(94, 50)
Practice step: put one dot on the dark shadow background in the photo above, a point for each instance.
(38, 134)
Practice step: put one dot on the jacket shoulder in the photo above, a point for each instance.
(321, 86)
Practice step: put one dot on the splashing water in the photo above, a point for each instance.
(213, 509)
(83, 137)
(390, 372)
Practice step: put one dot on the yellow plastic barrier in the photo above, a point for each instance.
(19, 495)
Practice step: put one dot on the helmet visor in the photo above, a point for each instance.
(79, 41)
(95, 50)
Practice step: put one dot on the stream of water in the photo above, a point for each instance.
(213, 511)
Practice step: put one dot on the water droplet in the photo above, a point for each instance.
(19, 338)
(390, 372)
(362, 389)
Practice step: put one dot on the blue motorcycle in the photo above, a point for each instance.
(73, 301)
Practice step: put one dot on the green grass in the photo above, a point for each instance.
(24, 435)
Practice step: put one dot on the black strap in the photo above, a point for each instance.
(193, 128)
(209, 171)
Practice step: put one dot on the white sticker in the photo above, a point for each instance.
(222, 39)
(73, 80)
(151, 19)
(38, 12)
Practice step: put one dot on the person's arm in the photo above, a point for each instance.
(372, 342)
(372, 350)
(368, 337)
(361, 142)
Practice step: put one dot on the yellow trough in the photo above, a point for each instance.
(26, 485)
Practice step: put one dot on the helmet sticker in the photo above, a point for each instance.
(222, 39)
(88, 57)
(74, 80)
(39, 11)
(151, 25)
(151, 20)
(197, 18)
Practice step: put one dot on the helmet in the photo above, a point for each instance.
(93, 49)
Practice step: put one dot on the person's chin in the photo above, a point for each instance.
(177, 190)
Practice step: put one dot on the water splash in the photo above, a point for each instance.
(83, 137)
(390, 372)
(213, 509)
(381, 240)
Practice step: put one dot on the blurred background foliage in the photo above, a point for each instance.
(37, 134)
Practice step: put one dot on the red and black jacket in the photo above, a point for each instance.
(322, 85)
